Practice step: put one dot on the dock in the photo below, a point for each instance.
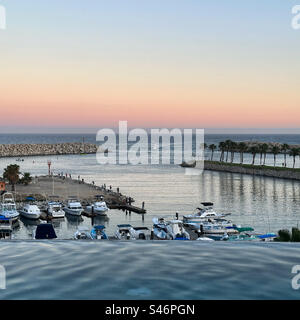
(44, 187)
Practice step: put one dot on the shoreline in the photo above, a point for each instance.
(257, 170)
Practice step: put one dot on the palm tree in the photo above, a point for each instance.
(284, 148)
(26, 179)
(11, 173)
(294, 152)
(222, 148)
(253, 150)
(264, 148)
(233, 148)
(228, 145)
(275, 150)
(212, 147)
(242, 147)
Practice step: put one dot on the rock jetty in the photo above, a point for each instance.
(23, 150)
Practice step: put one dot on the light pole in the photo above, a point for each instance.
(49, 168)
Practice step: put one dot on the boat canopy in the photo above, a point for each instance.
(124, 226)
(207, 204)
(30, 198)
(100, 227)
(45, 231)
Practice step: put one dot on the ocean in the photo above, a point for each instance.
(65, 269)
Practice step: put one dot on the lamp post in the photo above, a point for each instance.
(49, 168)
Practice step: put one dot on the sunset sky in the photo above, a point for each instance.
(158, 63)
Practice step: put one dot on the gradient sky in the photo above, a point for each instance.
(166, 63)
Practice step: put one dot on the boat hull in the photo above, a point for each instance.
(32, 216)
(73, 212)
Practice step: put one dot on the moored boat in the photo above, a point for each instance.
(98, 207)
(8, 207)
(98, 233)
(73, 207)
(30, 211)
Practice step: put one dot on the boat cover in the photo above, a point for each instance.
(45, 231)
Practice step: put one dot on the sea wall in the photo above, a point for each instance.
(284, 173)
(22, 150)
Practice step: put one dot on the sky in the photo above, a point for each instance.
(88, 64)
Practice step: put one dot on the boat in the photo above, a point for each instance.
(98, 233)
(204, 213)
(141, 233)
(73, 207)
(123, 232)
(30, 211)
(8, 207)
(54, 208)
(169, 230)
(5, 228)
(44, 231)
(83, 233)
(188, 164)
(98, 207)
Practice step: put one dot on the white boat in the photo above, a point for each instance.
(99, 207)
(30, 211)
(204, 213)
(73, 207)
(83, 233)
(123, 232)
(54, 209)
(8, 207)
(169, 230)
(128, 232)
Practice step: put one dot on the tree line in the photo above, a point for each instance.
(230, 148)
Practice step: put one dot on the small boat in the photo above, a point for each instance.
(140, 233)
(169, 230)
(44, 231)
(30, 211)
(5, 228)
(97, 207)
(83, 233)
(73, 207)
(8, 207)
(98, 233)
(188, 164)
(54, 208)
(123, 232)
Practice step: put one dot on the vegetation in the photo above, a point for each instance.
(12, 174)
(228, 149)
(286, 236)
(26, 179)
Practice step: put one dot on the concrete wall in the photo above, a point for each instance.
(267, 172)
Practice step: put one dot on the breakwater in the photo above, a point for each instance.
(266, 171)
(23, 150)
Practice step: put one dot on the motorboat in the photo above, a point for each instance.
(124, 232)
(44, 231)
(8, 207)
(30, 211)
(83, 233)
(73, 207)
(98, 233)
(169, 230)
(204, 213)
(54, 208)
(98, 207)
(141, 233)
(5, 228)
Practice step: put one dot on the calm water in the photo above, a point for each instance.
(148, 270)
(155, 270)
